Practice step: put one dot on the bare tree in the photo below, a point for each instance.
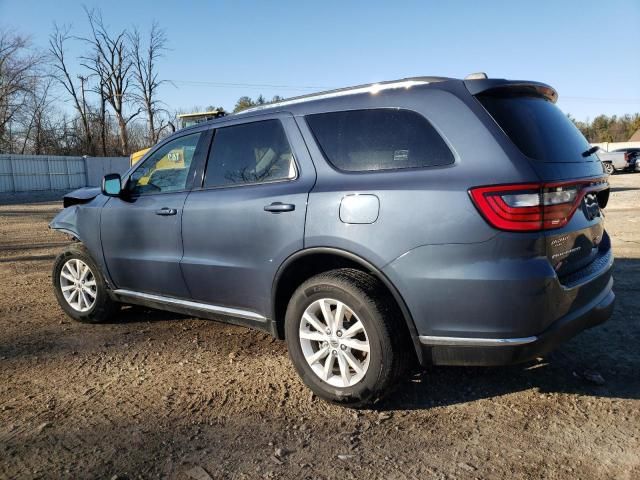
(37, 116)
(95, 65)
(57, 49)
(146, 80)
(110, 61)
(102, 117)
(19, 75)
(116, 81)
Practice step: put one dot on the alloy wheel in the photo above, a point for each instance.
(78, 285)
(334, 343)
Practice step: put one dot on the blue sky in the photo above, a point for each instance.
(588, 50)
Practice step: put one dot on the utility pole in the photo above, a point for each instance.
(83, 79)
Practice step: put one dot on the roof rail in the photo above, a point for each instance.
(372, 88)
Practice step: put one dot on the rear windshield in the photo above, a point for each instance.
(538, 128)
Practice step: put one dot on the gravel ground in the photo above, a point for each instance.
(160, 395)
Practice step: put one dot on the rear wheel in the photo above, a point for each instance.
(608, 167)
(80, 287)
(344, 338)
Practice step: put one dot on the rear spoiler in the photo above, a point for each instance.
(497, 86)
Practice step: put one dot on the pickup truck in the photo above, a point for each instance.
(614, 161)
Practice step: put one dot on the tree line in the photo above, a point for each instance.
(245, 102)
(609, 129)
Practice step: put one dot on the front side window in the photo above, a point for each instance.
(167, 169)
(250, 153)
(378, 139)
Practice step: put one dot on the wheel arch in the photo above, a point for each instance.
(74, 235)
(308, 262)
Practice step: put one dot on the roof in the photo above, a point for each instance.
(635, 137)
(481, 84)
(473, 85)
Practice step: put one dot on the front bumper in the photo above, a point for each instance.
(504, 351)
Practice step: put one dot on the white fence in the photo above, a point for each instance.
(98, 167)
(27, 173)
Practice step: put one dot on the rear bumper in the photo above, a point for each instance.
(504, 351)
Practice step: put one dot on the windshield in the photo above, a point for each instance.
(538, 128)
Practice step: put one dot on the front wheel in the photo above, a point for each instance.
(608, 167)
(80, 287)
(345, 338)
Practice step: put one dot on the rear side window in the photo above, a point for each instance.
(537, 127)
(250, 153)
(378, 139)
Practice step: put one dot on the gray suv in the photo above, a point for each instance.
(437, 220)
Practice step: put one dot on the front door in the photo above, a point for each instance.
(249, 215)
(141, 232)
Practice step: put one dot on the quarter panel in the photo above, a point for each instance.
(419, 206)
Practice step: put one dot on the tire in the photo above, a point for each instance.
(608, 168)
(82, 307)
(363, 299)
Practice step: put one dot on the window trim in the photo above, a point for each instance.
(209, 156)
(454, 156)
(192, 167)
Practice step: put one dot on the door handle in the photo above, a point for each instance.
(166, 211)
(279, 207)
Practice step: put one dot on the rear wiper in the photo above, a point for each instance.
(591, 151)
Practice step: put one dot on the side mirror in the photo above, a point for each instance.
(112, 185)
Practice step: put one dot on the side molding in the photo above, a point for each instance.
(475, 342)
(188, 307)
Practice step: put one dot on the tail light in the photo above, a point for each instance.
(532, 206)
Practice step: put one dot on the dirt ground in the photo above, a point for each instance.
(160, 395)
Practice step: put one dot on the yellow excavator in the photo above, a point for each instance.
(186, 120)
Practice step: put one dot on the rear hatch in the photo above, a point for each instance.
(573, 187)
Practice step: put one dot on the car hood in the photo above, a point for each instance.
(82, 195)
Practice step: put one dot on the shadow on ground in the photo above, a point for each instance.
(609, 350)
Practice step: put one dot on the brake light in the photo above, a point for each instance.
(532, 206)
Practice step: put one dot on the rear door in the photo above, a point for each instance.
(141, 232)
(248, 215)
